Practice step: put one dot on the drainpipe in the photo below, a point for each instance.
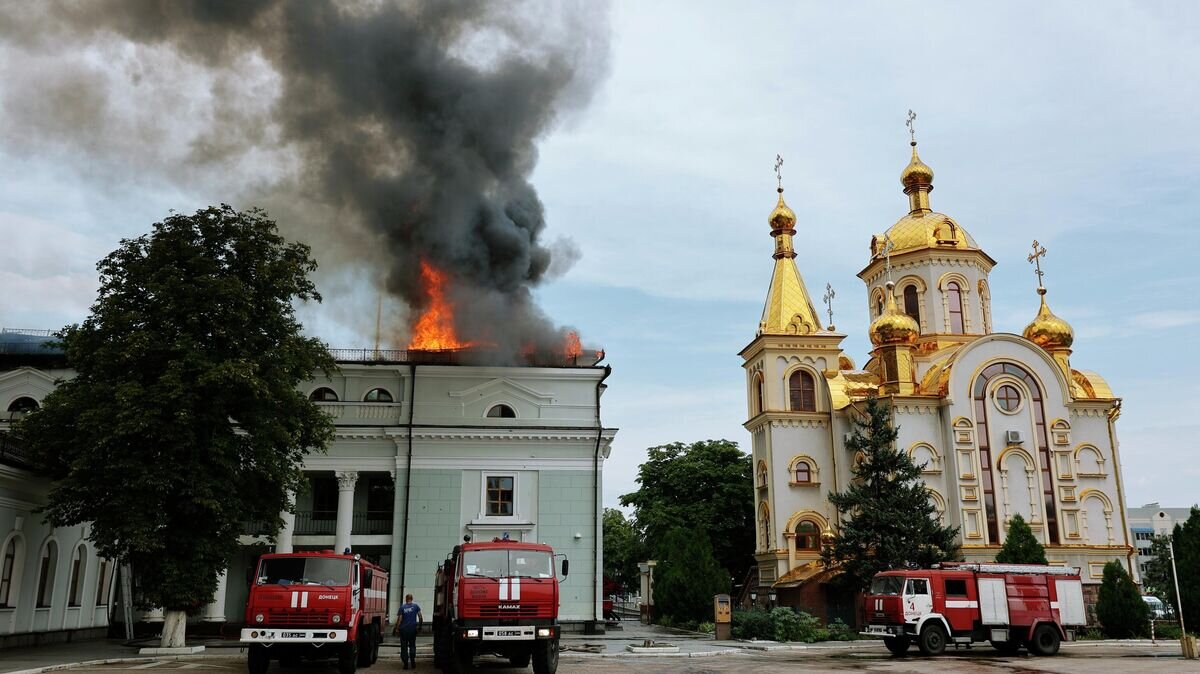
(412, 406)
(597, 528)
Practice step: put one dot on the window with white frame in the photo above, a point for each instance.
(45, 587)
(103, 582)
(499, 497)
(78, 569)
(8, 567)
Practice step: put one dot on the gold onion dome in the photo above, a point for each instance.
(1047, 330)
(917, 172)
(782, 217)
(892, 326)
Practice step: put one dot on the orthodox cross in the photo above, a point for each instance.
(912, 132)
(1039, 251)
(778, 173)
(828, 300)
(888, 245)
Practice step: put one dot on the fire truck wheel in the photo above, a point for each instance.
(897, 645)
(933, 639)
(258, 660)
(463, 659)
(365, 640)
(1045, 640)
(348, 658)
(545, 656)
(376, 639)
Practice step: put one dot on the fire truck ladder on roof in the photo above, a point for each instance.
(1010, 568)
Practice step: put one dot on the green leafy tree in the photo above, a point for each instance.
(1020, 546)
(1158, 578)
(888, 520)
(183, 418)
(1120, 608)
(706, 486)
(687, 576)
(622, 549)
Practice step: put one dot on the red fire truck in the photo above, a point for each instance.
(315, 605)
(498, 597)
(1009, 605)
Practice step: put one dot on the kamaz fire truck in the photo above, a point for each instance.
(315, 605)
(498, 597)
(1010, 605)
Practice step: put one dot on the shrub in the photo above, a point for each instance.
(840, 631)
(752, 624)
(1167, 631)
(706, 627)
(791, 625)
(1090, 634)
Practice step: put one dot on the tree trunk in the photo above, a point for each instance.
(174, 628)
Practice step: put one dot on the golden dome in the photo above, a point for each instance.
(893, 327)
(927, 229)
(1049, 331)
(782, 217)
(916, 173)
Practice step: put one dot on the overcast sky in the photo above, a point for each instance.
(1071, 123)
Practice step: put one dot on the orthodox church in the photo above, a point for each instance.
(1001, 423)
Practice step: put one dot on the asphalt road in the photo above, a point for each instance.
(1072, 660)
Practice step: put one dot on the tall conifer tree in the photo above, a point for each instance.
(1020, 546)
(888, 520)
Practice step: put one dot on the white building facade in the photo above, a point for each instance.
(426, 452)
(1001, 422)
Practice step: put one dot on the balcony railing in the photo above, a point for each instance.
(372, 522)
(362, 413)
(324, 523)
(316, 522)
(13, 452)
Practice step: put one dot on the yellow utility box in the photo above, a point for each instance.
(722, 616)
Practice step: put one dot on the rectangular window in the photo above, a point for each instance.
(917, 586)
(325, 497)
(103, 583)
(500, 495)
(76, 595)
(956, 587)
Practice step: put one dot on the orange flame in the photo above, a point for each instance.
(434, 331)
(571, 346)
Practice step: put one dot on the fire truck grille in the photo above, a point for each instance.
(310, 618)
(495, 611)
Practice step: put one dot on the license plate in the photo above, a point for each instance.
(292, 635)
(508, 633)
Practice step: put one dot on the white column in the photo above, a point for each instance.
(215, 611)
(345, 512)
(283, 540)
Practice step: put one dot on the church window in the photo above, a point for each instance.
(45, 587)
(378, 395)
(78, 568)
(912, 305)
(502, 411)
(955, 307)
(878, 307)
(764, 518)
(1008, 398)
(803, 390)
(323, 395)
(500, 495)
(759, 393)
(762, 474)
(7, 569)
(808, 537)
(803, 472)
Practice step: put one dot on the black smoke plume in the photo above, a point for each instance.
(382, 133)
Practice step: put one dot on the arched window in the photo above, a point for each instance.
(955, 307)
(764, 519)
(45, 586)
(802, 472)
(8, 567)
(803, 390)
(323, 395)
(878, 306)
(759, 392)
(78, 568)
(808, 536)
(762, 474)
(502, 411)
(912, 304)
(377, 395)
(20, 407)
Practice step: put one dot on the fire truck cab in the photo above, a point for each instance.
(1009, 605)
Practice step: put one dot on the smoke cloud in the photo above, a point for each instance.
(381, 133)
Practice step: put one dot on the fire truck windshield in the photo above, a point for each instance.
(304, 571)
(887, 585)
(508, 564)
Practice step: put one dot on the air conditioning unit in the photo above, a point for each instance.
(1012, 437)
